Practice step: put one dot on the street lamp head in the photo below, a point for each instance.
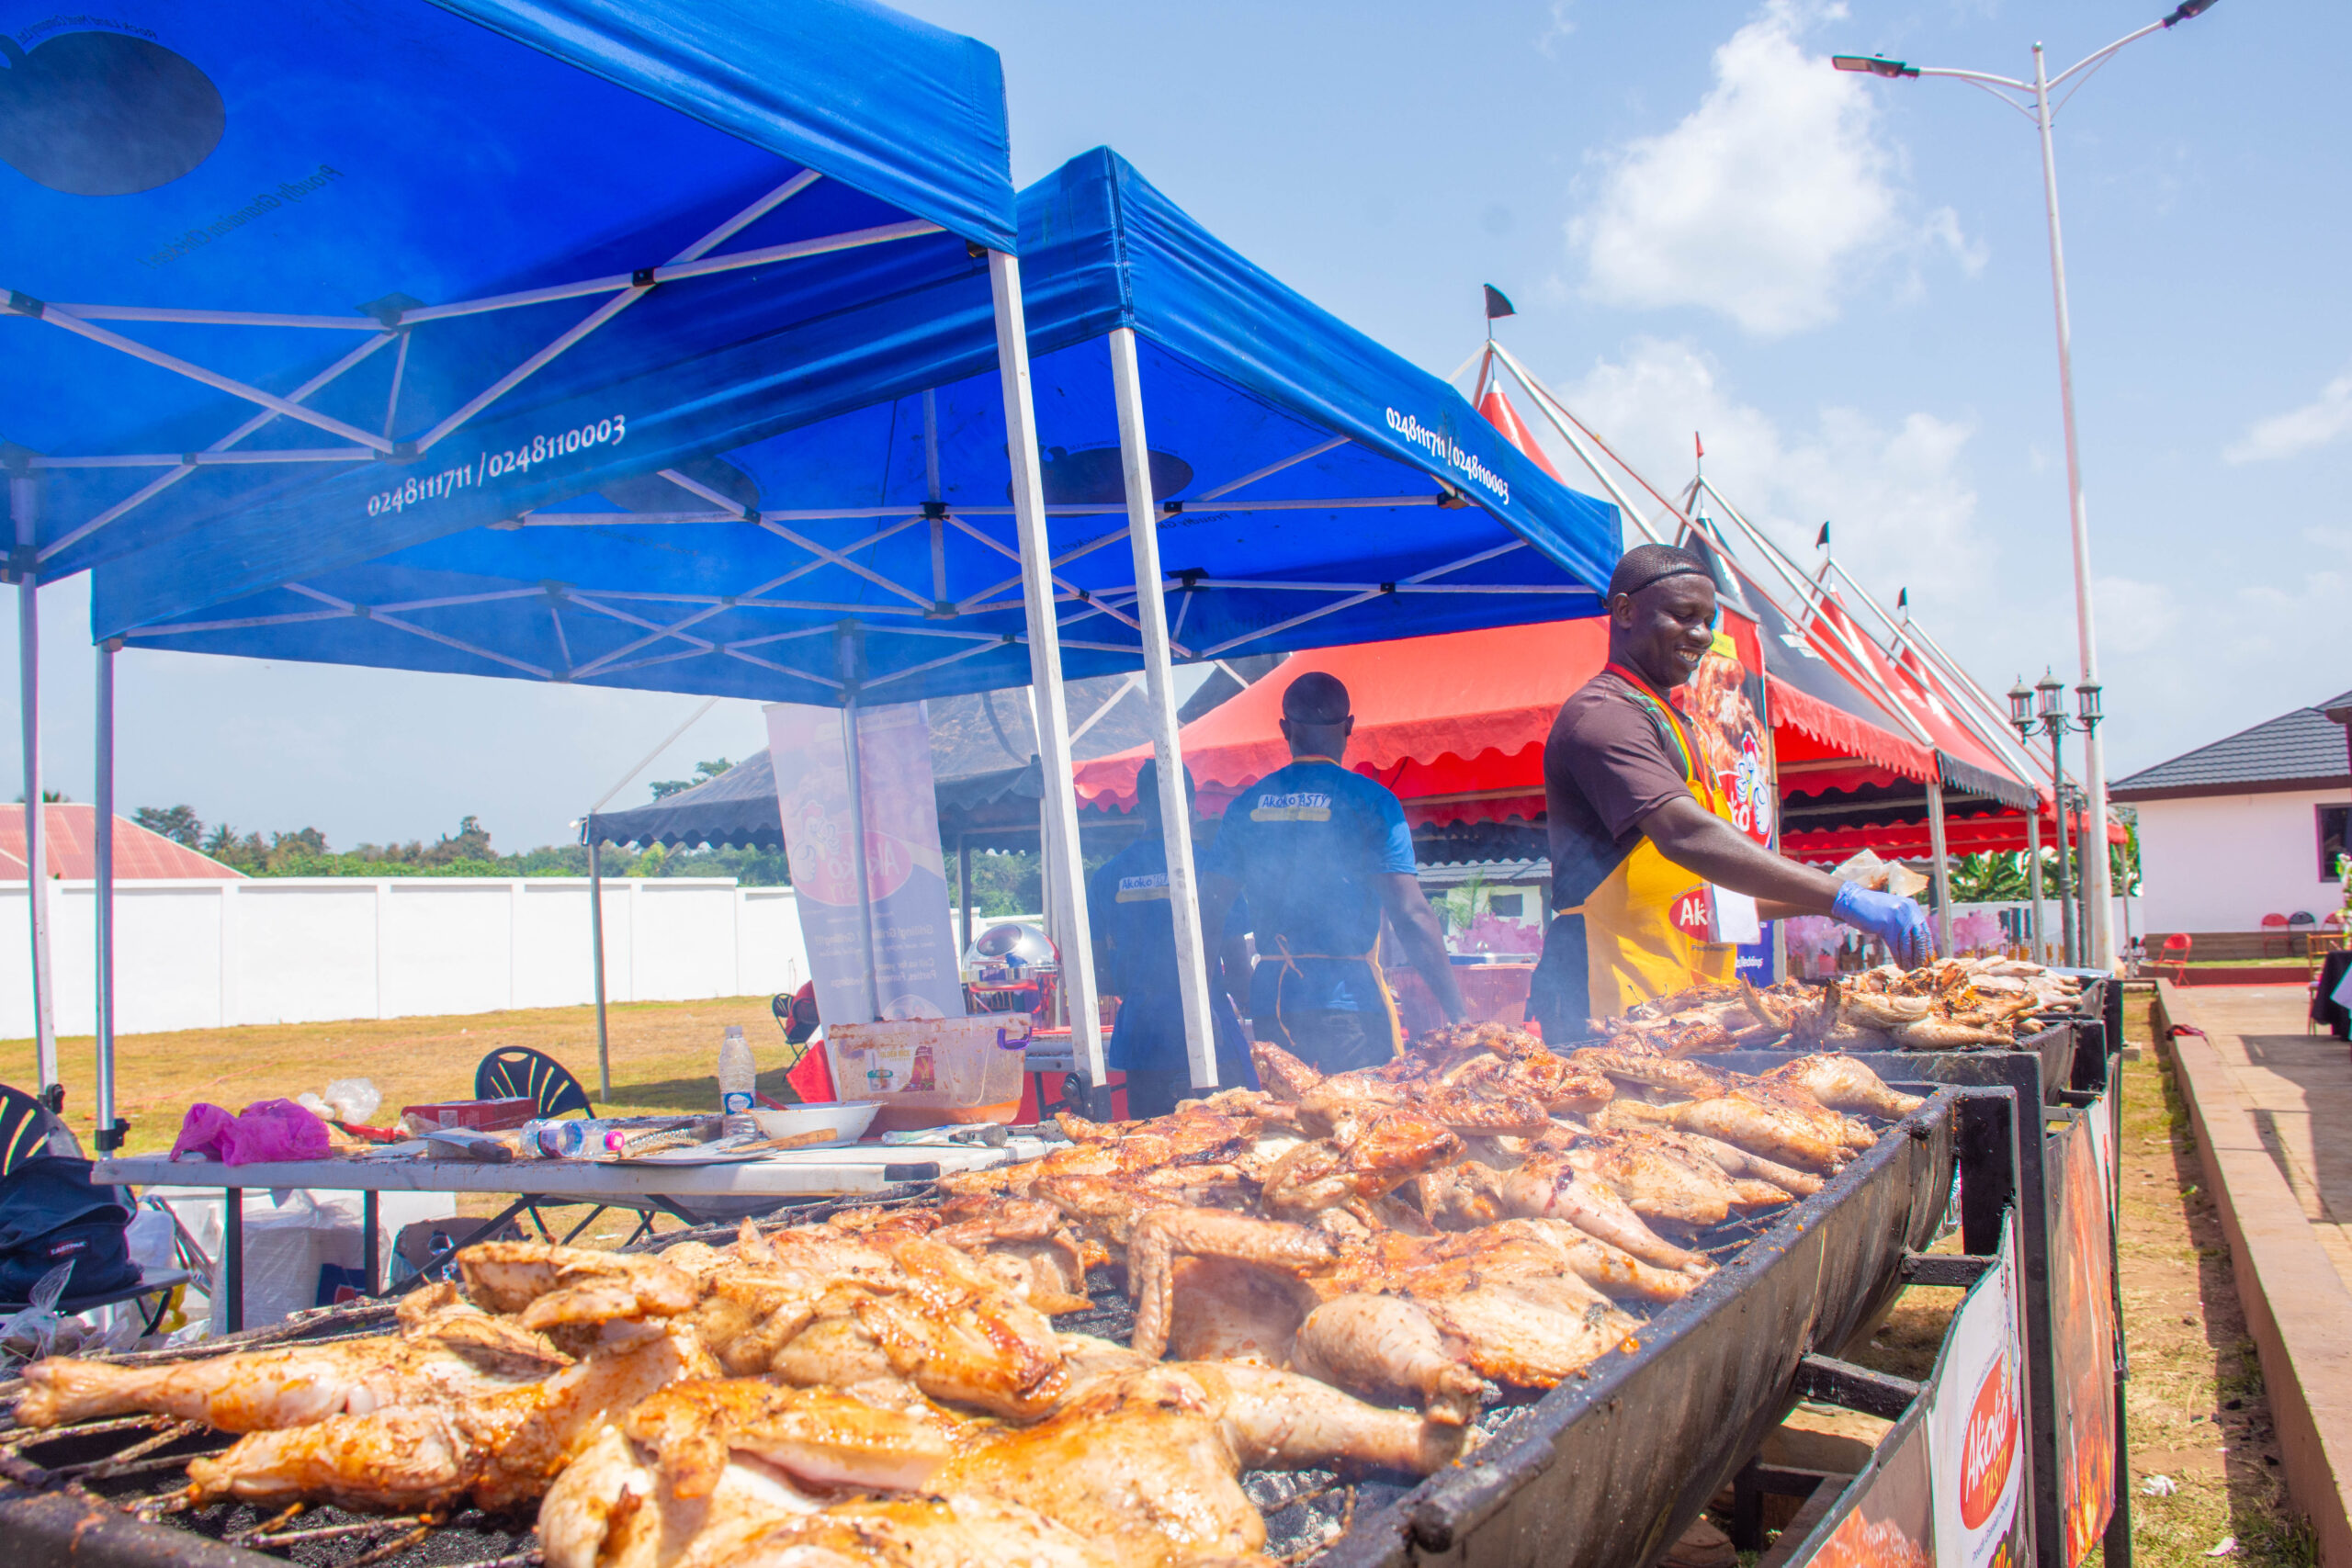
(2185, 10)
(1879, 65)
(2021, 708)
(2051, 692)
(2087, 706)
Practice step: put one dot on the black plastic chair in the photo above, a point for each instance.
(517, 1072)
(25, 1124)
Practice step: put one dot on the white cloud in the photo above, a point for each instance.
(1767, 202)
(2133, 616)
(2325, 419)
(1902, 510)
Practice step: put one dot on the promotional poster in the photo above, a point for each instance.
(2082, 1300)
(1976, 1437)
(1725, 703)
(1890, 1520)
(915, 973)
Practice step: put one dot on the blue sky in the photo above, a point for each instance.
(1843, 282)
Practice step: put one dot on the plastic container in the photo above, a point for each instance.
(476, 1115)
(844, 1123)
(930, 1072)
(738, 1074)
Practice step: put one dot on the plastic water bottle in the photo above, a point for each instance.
(735, 1071)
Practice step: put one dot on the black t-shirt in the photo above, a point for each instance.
(1607, 763)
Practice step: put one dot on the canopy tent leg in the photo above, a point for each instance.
(963, 897)
(24, 499)
(596, 952)
(1045, 671)
(1940, 863)
(857, 855)
(110, 1131)
(1159, 683)
(2040, 951)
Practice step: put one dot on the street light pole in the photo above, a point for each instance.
(2097, 872)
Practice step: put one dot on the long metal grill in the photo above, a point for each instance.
(97, 1478)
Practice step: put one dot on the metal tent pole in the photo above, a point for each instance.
(597, 949)
(963, 895)
(109, 1133)
(1159, 684)
(857, 854)
(2040, 953)
(1045, 666)
(1941, 858)
(24, 500)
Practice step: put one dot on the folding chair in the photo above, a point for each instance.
(2175, 949)
(2285, 943)
(516, 1072)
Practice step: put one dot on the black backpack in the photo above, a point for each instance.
(51, 1212)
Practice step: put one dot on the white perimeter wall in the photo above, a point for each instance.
(2219, 863)
(310, 950)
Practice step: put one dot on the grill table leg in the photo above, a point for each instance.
(231, 1306)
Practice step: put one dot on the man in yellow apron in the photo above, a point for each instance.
(1322, 854)
(1642, 845)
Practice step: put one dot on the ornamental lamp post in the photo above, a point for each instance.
(2032, 100)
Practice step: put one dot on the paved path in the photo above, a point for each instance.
(2298, 1087)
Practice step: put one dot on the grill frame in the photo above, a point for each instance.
(1811, 1280)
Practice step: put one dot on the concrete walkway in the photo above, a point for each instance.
(2298, 1090)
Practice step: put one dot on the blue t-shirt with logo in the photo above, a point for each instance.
(1128, 907)
(1307, 843)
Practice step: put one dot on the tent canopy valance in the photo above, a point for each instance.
(365, 275)
(1313, 488)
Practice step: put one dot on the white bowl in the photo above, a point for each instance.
(843, 1122)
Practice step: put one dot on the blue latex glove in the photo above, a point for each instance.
(1899, 923)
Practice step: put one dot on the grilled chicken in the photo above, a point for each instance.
(453, 1357)
(1142, 1464)
(1844, 1084)
(500, 1450)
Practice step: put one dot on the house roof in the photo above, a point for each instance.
(2299, 750)
(139, 855)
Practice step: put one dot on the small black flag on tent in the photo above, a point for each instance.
(1497, 304)
(1821, 540)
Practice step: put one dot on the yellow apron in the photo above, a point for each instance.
(1286, 969)
(1645, 925)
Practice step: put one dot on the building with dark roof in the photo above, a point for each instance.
(2251, 825)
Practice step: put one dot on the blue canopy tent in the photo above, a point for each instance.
(1306, 487)
(356, 270)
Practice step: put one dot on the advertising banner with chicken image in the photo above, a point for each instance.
(1723, 701)
(2082, 1302)
(1887, 1516)
(915, 973)
(1976, 1437)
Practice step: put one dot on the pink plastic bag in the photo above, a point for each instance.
(268, 1130)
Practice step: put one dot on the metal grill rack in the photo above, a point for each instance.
(1607, 1467)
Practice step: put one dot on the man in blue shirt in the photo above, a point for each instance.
(1321, 854)
(1135, 932)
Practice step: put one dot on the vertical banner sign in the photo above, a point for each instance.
(906, 875)
(2082, 1305)
(1723, 701)
(1976, 1439)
